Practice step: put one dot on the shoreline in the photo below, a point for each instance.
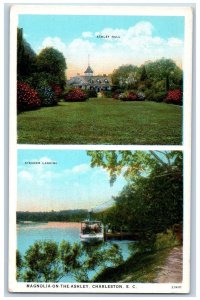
(151, 267)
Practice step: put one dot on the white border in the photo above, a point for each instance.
(102, 10)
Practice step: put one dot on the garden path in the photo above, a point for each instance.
(171, 271)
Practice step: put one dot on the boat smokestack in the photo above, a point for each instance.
(90, 215)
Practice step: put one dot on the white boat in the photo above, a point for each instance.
(91, 231)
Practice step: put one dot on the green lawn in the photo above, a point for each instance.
(102, 121)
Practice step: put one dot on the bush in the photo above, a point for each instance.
(141, 87)
(132, 96)
(174, 97)
(123, 96)
(38, 80)
(47, 96)
(129, 96)
(166, 240)
(41, 79)
(76, 95)
(141, 96)
(116, 93)
(58, 91)
(155, 96)
(27, 98)
(91, 94)
(107, 94)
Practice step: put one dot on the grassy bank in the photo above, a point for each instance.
(143, 266)
(139, 268)
(102, 121)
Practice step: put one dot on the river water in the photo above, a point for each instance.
(29, 233)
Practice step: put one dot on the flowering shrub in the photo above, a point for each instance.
(76, 95)
(174, 97)
(27, 98)
(47, 96)
(57, 90)
(116, 93)
(132, 96)
(128, 96)
(141, 96)
(123, 96)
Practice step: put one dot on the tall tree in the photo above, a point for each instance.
(143, 75)
(52, 63)
(47, 261)
(152, 201)
(167, 70)
(26, 57)
(125, 76)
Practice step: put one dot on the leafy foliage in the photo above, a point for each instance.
(131, 96)
(143, 75)
(27, 98)
(46, 261)
(69, 256)
(91, 94)
(107, 94)
(57, 90)
(44, 72)
(154, 79)
(76, 95)
(19, 264)
(174, 97)
(152, 201)
(116, 93)
(49, 93)
(26, 57)
(38, 79)
(141, 96)
(41, 262)
(164, 69)
(125, 76)
(128, 96)
(133, 164)
(155, 96)
(53, 216)
(166, 240)
(52, 62)
(97, 259)
(47, 96)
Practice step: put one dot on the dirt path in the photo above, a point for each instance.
(171, 271)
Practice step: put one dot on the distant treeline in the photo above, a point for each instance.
(53, 216)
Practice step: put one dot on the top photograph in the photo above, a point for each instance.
(99, 77)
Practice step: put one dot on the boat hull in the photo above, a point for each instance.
(89, 238)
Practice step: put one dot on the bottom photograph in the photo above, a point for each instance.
(98, 221)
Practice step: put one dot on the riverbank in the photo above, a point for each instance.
(154, 267)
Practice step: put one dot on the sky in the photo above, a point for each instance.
(109, 41)
(60, 180)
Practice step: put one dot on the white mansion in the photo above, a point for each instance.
(89, 81)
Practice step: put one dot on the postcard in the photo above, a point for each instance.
(110, 74)
(100, 141)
